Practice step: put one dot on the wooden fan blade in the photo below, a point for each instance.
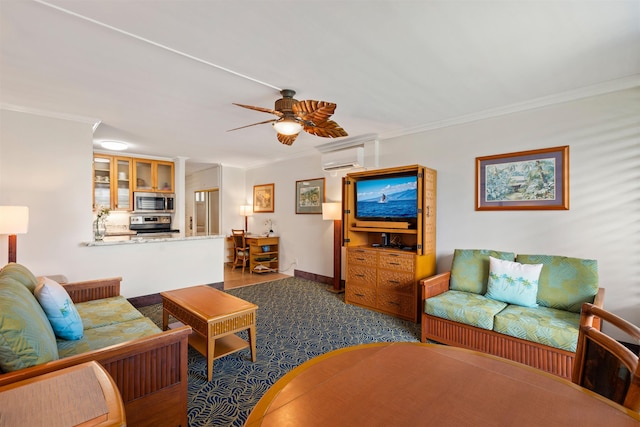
(259, 123)
(264, 110)
(312, 111)
(287, 139)
(328, 129)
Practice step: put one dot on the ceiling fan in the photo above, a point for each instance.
(294, 116)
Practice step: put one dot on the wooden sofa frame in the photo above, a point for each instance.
(150, 372)
(550, 359)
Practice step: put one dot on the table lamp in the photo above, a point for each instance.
(246, 210)
(13, 220)
(333, 211)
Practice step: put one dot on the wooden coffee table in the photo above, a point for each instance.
(215, 317)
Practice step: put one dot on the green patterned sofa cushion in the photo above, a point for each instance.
(20, 273)
(565, 283)
(106, 311)
(470, 269)
(464, 307)
(26, 337)
(104, 336)
(543, 325)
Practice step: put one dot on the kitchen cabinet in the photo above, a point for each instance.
(153, 175)
(111, 182)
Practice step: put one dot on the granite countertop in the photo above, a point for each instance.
(132, 240)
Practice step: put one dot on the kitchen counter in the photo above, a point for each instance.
(133, 240)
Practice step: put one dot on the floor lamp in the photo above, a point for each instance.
(333, 211)
(246, 211)
(13, 220)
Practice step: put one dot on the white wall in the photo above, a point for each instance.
(603, 222)
(46, 164)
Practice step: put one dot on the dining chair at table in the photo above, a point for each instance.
(602, 364)
(240, 249)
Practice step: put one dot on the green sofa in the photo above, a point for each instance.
(535, 323)
(148, 365)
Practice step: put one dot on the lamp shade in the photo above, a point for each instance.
(14, 219)
(246, 210)
(332, 211)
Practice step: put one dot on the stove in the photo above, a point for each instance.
(152, 225)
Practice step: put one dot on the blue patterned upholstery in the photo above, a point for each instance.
(543, 325)
(565, 283)
(464, 307)
(470, 269)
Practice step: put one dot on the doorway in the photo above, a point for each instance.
(206, 212)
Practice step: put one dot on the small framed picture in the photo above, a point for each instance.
(526, 180)
(309, 196)
(263, 197)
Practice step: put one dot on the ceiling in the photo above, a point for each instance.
(162, 75)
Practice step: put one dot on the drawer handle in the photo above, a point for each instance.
(360, 259)
(394, 303)
(394, 263)
(359, 295)
(395, 282)
(359, 275)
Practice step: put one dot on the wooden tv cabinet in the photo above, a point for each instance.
(386, 279)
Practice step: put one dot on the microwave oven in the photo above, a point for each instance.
(153, 202)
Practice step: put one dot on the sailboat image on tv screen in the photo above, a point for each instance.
(387, 198)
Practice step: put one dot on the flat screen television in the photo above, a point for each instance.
(387, 198)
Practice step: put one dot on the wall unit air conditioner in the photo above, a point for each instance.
(347, 158)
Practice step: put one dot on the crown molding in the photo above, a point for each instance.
(63, 116)
(559, 98)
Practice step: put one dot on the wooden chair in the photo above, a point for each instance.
(240, 249)
(602, 364)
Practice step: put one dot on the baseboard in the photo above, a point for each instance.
(145, 300)
(316, 278)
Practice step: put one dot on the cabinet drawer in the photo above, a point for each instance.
(263, 241)
(361, 275)
(404, 262)
(362, 257)
(402, 305)
(396, 281)
(360, 295)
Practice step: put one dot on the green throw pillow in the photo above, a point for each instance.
(470, 269)
(513, 283)
(26, 337)
(20, 273)
(565, 283)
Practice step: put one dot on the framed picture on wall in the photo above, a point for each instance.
(526, 180)
(263, 197)
(309, 196)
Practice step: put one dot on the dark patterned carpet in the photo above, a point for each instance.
(297, 320)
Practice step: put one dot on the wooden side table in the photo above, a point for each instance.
(82, 395)
(215, 317)
(261, 260)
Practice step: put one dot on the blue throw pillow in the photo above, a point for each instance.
(513, 283)
(60, 310)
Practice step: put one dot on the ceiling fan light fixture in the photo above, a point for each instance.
(287, 126)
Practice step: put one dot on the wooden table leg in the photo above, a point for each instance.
(252, 342)
(165, 319)
(211, 351)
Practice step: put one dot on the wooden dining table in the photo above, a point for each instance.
(415, 384)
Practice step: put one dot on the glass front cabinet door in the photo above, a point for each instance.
(111, 182)
(102, 181)
(153, 175)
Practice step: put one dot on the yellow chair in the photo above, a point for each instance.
(602, 364)
(240, 249)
